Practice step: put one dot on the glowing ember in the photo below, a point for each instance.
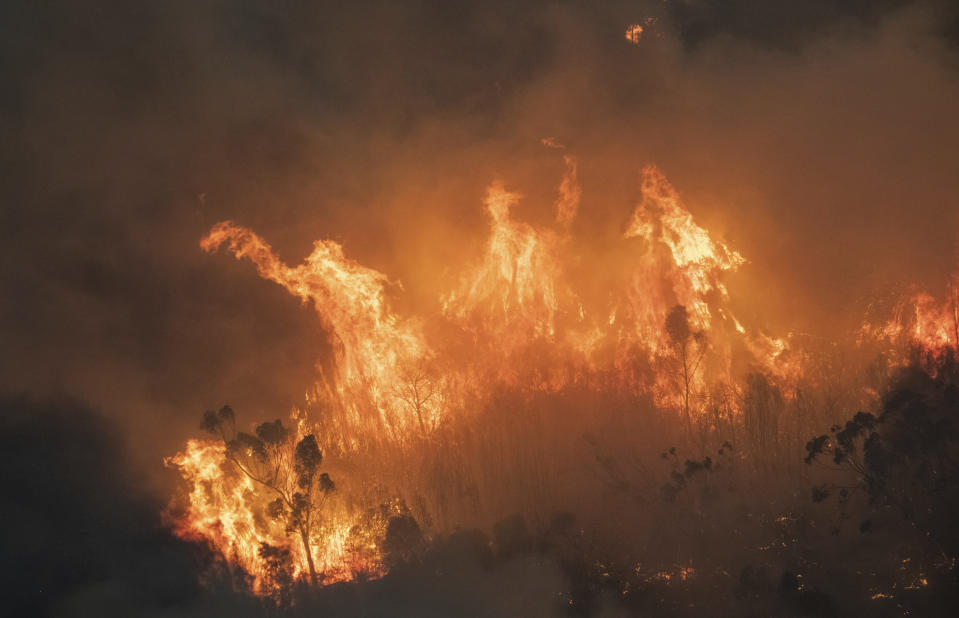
(633, 32)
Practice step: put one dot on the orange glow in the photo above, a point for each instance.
(514, 287)
(633, 32)
(516, 318)
(371, 344)
(688, 273)
(920, 322)
(223, 510)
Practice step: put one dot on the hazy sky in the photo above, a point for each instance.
(819, 141)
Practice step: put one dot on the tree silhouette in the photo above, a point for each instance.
(283, 465)
(418, 389)
(763, 405)
(684, 340)
(278, 563)
(403, 539)
(905, 458)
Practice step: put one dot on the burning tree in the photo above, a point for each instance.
(283, 465)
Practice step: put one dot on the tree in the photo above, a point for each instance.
(418, 389)
(684, 340)
(281, 464)
(403, 539)
(762, 407)
(278, 563)
(905, 458)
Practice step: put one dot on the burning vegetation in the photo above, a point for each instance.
(383, 309)
(519, 387)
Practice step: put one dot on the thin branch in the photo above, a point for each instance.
(253, 477)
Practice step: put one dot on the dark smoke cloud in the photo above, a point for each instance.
(80, 527)
(818, 138)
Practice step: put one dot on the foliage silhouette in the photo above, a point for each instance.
(285, 467)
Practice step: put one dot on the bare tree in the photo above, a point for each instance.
(690, 348)
(284, 466)
(763, 406)
(418, 390)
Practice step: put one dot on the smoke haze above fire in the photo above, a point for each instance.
(820, 144)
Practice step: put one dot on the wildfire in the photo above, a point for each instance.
(635, 31)
(515, 292)
(371, 343)
(666, 330)
(919, 322)
(225, 509)
(517, 278)
(689, 272)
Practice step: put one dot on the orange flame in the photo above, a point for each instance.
(689, 273)
(517, 313)
(633, 32)
(919, 322)
(225, 509)
(371, 343)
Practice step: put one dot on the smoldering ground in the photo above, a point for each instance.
(817, 138)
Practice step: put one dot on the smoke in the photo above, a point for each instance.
(817, 139)
(80, 526)
(817, 143)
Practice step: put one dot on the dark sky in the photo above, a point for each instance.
(818, 138)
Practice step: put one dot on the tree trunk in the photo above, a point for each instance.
(304, 535)
(419, 417)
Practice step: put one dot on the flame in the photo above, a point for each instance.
(569, 195)
(371, 343)
(936, 324)
(921, 322)
(518, 316)
(514, 287)
(688, 273)
(633, 32)
(225, 510)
